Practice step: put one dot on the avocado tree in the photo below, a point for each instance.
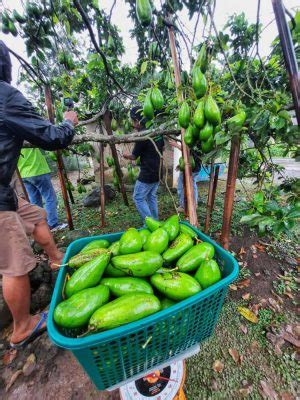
(231, 95)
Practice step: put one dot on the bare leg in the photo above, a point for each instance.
(43, 236)
(16, 292)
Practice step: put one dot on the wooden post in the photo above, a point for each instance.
(49, 105)
(188, 180)
(230, 189)
(102, 183)
(107, 123)
(209, 197)
(212, 196)
(288, 54)
(216, 177)
(22, 184)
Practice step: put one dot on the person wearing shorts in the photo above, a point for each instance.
(19, 122)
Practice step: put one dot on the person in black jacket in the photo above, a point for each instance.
(19, 122)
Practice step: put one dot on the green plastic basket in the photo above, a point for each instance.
(117, 355)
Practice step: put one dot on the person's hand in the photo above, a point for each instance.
(173, 143)
(71, 116)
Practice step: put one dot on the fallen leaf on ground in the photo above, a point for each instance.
(13, 379)
(235, 355)
(242, 251)
(289, 295)
(29, 365)
(274, 305)
(286, 396)
(291, 339)
(214, 384)
(255, 308)
(218, 366)
(254, 255)
(243, 284)
(260, 247)
(244, 329)
(9, 356)
(257, 273)
(249, 315)
(246, 296)
(246, 390)
(276, 341)
(254, 345)
(295, 330)
(279, 299)
(233, 287)
(267, 391)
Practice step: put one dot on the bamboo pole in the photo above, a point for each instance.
(288, 54)
(209, 197)
(102, 183)
(49, 105)
(188, 180)
(230, 189)
(107, 123)
(216, 177)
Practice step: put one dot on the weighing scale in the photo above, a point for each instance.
(161, 384)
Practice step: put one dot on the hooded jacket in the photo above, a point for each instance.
(18, 122)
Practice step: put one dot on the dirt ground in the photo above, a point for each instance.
(241, 360)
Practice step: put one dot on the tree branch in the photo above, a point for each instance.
(163, 130)
(24, 63)
(94, 41)
(111, 10)
(225, 57)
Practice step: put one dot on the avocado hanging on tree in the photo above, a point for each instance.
(144, 12)
(184, 115)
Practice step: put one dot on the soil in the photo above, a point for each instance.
(264, 268)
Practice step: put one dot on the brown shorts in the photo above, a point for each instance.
(16, 256)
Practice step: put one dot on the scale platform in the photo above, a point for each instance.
(161, 384)
(165, 382)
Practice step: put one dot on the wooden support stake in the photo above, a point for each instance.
(209, 197)
(102, 183)
(188, 180)
(49, 105)
(216, 177)
(107, 123)
(230, 189)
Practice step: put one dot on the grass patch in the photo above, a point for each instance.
(259, 360)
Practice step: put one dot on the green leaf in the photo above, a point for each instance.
(258, 199)
(276, 122)
(41, 55)
(294, 214)
(68, 27)
(271, 206)
(248, 218)
(144, 67)
(55, 19)
(221, 137)
(289, 223)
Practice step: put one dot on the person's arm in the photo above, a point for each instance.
(136, 152)
(25, 123)
(128, 156)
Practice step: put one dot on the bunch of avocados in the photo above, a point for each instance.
(112, 284)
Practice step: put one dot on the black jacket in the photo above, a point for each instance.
(18, 122)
